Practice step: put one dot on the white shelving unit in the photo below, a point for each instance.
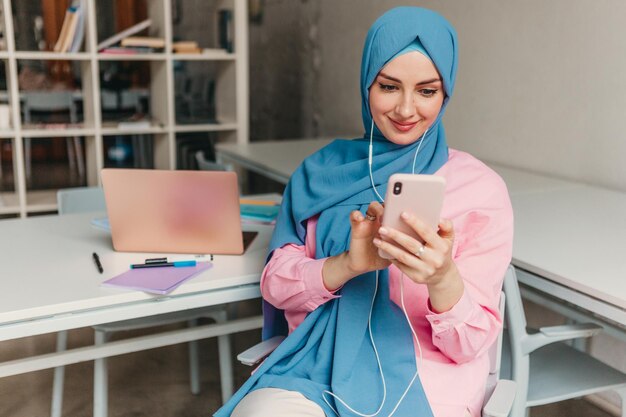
(231, 98)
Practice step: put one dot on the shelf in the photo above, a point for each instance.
(7, 134)
(55, 56)
(213, 71)
(111, 129)
(9, 203)
(207, 127)
(213, 55)
(33, 131)
(44, 200)
(132, 57)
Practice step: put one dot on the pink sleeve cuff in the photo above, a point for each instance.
(459, 313)
(314, 284)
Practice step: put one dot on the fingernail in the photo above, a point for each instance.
(405, 215)
(376, 241)
(383, 231)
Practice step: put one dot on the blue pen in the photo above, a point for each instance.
(176, 264)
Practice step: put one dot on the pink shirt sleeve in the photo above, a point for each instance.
(292, 279)
(482, 252)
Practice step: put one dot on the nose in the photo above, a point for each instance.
(406, 106)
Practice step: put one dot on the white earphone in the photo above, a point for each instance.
(369, 320)
(370, 159)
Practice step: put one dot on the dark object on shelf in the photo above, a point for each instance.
(225, 29)
(188, 144)
(129, 151)
(195, 99)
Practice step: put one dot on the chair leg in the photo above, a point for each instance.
(520, 374)
(100, 380)
(27, 160)
(194, 363)
(226, 361)
(59, 375)
(80, 163)
(71, 156)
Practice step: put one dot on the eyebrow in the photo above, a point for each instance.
(382, 74)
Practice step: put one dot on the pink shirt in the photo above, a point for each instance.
(454, 343)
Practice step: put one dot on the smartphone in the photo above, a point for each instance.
(419, 194)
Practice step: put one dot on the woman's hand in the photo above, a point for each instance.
(363, 254)
(430, 264)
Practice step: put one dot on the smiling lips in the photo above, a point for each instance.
(403, 127)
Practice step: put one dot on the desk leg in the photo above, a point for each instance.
(226, 360)
(194, 363)
(59, 376)
(100, 380)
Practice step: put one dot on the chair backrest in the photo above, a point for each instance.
(495, 354)
(48, 100)
(515, 317)
(205, 165)
(80, 200)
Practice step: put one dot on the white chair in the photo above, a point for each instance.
(53, 101)
(545, 369)
(499, 393)
(206, 165)
(91, 199)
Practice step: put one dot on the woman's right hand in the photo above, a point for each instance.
(362, 256)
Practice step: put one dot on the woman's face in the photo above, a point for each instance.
(405, 98)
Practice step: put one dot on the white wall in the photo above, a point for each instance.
(541, 84)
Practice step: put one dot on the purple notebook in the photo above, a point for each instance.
(156, 280)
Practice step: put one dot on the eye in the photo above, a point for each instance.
(387, 87)
(428, 92)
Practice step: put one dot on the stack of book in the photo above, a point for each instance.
(186, 47)
(126, 42)
(258, 212)
(73, 29)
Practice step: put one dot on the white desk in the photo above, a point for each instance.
(50, 283)
(569, 238)
(276, 160)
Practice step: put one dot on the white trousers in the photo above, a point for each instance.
(274, 402)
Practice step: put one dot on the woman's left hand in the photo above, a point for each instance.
(431, 263)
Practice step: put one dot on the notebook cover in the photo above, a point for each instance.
(155, 280)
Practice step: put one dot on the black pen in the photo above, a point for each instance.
(96, 259)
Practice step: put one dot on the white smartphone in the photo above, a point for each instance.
(421, 195)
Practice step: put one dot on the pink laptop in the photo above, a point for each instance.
(173, 211)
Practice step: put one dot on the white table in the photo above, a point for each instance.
(569, 237)
(50, 283)
(276, 160)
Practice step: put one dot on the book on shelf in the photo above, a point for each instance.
(122, 50)
(143, 41)
(135, 122)
(186, 47)
(67, 30)
(79, 33)
(124, 34)
(225, 29)
(73, 29)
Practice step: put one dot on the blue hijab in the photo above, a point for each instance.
(330, 350)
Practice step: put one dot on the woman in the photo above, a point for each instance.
(325, 274)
